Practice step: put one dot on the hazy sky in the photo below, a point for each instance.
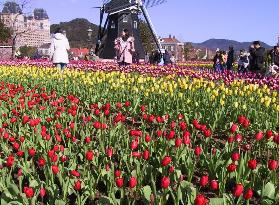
(190, 20)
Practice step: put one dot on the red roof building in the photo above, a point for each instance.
(79, 52)
(174, 47)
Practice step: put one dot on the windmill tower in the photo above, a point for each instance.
(123, 14)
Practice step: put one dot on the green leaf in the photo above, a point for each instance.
(33, 183)
(217, 201)
(103, 200)
(13, 189)
(146, 190)
(267, 202)
(269, 191)
(60, 202)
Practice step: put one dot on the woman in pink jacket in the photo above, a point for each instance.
(125, 48)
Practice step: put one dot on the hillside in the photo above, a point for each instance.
(77, 31)
(223, 44)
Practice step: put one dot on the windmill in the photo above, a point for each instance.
(123, 14)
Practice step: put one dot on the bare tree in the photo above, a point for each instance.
(18, 31)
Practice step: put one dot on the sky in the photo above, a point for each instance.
(189, 20)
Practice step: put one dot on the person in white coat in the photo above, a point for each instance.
(59, 49)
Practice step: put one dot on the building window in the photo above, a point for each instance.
(41, 26)
(125, 18)
(172, 48)
(135, 24)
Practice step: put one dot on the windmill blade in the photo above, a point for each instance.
(152, 3)
(151, 27)
(105, 1)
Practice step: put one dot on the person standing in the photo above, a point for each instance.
(257, 57)
(166, 58)
(124, 46)
(172, 59)
(59, 49)
(230, 60)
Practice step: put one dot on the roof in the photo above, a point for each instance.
(170, 40)
(79, 50)
(11, 7)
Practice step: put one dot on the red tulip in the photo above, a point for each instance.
(165, 182)
(269, 134)
(77, 185)
(64, 158)
(252, 164)
(54, 169)
(238, 138)
(146, 155)
(132, 182)
(20, 153)
(41, 162)
(119, 182)
(232, 167)
(89, 155)
(134, 145)
(207, 133)
(16, 146)
(235, 156)
(147, 138)
(42, 192)
(238, 189)
(87, 140)
(10, 161)
(241, 119)
(75, 173)
(248, 194)
(25, 119)
(198, 151)
(171, 169)
(109, 152)
(117, 173)
(166, 161)
(272, 164)
(178, 142)
(97, 125)
(259, 136)
(214, 185)
(29, 192)
(233, 128)
(200, 200)
(32, 152)
(203, 181)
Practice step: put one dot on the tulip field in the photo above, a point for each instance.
(99, 134)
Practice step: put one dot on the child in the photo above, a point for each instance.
(243, 61)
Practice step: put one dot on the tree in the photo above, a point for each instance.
(187, 50)
(28, 51)
(146, 37)
(5, 32)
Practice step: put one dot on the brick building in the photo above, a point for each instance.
(174, 46)
(33, 30)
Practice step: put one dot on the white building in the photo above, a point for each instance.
(31, 30)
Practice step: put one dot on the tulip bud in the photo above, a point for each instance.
(165, 182)
(132, 182)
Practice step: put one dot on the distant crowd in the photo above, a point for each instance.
(256, 59)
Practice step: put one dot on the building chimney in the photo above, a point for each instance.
(173, 37)
(170, 36)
